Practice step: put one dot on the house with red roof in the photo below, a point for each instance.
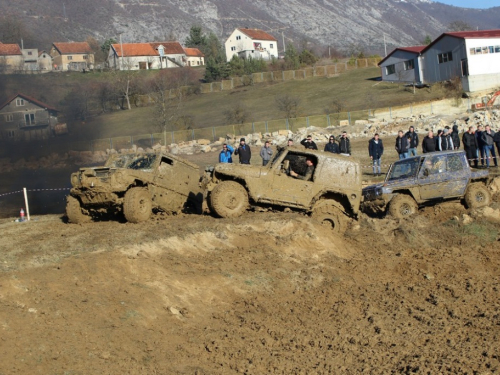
(254, 43)
(11, 58)
(140, 56)
(194, 57)
(77, 56)
(402, 65)
(25, 118)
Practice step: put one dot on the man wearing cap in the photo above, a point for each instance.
(308, 143)
(332, 146)
(243, 151)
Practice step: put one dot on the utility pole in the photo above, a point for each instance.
(64, 12)
(385, 46)
(121, 52)
(283, 37)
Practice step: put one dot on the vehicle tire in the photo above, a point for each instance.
(229, 199)
(402, 206)
(477, 195)
(137, 205)
(330, 215)
(74, 211)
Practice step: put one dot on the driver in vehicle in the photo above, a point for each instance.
(309, 171)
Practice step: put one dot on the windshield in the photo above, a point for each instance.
(278, 155)
(404, 169)
(132, 161)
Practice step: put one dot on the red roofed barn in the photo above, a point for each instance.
(72, 56)
(254, 43)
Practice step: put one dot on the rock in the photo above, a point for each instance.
(466, 219)
(203, 142)
(206, 148)
(344, 122)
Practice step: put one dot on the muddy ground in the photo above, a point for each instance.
(269, 293)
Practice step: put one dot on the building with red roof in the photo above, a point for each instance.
(254, 43)
(194, 57)
(76, 56)
(11, 58)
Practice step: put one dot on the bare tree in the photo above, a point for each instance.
(237, 115)
(459, 25)
(167, 108)
(287, 104)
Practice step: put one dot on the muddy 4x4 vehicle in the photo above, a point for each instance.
(333, 195)
(427, 179)
(136, 184)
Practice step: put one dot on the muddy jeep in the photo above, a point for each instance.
(135, 184)
(332, 196)
(425, 180)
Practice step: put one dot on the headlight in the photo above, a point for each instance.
(75, 180)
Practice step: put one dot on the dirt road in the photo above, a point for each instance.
(266, 293)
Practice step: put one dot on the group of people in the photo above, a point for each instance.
(479, 145)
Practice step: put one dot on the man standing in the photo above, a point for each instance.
(429, 143)
(309, 171)
(470, 146)
(455, 137)
(332, 146)
(402, 145)
(413, 139)
(265, 153)
(447, 141)
(480, 145)
(489, 148)
(496, 139)
(345, 144)
(376, 150)
(308, 143)
(244, 152)
(226, 153)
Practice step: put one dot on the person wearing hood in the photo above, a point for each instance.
(332, 146)
(413, 139)
(470, 146)
(455, 137)
(429, 143)
(376, 150)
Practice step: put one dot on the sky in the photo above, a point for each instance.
(471, 4)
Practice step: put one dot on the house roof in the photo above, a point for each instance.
(30, 99)
(414, 49)
(480, 34)
(257, 34)
(148, 49)
(72, 48)
(10, 49)
(193, 52)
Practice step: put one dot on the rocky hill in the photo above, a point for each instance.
(338, 23)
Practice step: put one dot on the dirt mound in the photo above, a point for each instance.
(266, 293)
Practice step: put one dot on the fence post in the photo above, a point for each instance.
(307, 121)
(349, 117)
(328, 122)
(173, 138)
(131, 141)
(390, 112)
(411, 109)
(283, 75)
(287, 125)
(110, 144)
(152, 139)
(431, 108)
(192, 134)
(267, 130)
(253, 127)
(213, 133)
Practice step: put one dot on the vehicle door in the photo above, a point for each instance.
(441, 176)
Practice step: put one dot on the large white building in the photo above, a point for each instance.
(472, 56)
(254, 43)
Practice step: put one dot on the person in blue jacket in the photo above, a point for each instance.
(226, 153)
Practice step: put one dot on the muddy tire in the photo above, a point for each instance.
(402, 206)
(137, 205)
(477, 195)
(330, 215)
(229, 199)
(74, 211)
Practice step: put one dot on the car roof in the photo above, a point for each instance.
(435, 153)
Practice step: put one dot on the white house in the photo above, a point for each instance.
(404, 64)
(194, 57)
(253, 43)
(474, 56)
(136, 56)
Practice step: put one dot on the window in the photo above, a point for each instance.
(465, 68)
(472, 51)
(30, 53)
(9, 118)
(11, 133)
(445, 57)
(19, 102)
(85, 57)
(497, 49)
(238, 37)
(485, 50)
(409, 64)
(70, 57)
(233, 48)
(29, 119)
(491, 49)
(271, 46)
(390, 69)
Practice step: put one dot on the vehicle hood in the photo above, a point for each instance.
(238, 170)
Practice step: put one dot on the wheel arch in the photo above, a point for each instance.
(341, 198)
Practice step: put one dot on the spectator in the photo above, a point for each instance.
(376, 150)
(226, 153)
(446, 141)
(265, 153)
(244, 152)
(290, 143)
(402, 145)
(496, 139)
(429, 143)
(439, 140)
(413, 139)
(480, 144)
(308, 143)
(332, 146)
(489, 148)
(309, 171)
(345, 144)
(470, 146)
(455, 137)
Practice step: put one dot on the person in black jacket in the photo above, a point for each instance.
(402, 145)
(332, 146)
(413, 139)
(455, 137)
(376, 150)
(429, 143)
(496, 139)
(308, 143)
(480, 149)
(244, 152)
(345, 144)
(470, 146)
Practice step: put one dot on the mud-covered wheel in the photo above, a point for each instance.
(74, 211)
(477, 195)
(229, 199)
(330, 215)
(402, 206)
(137, 205)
